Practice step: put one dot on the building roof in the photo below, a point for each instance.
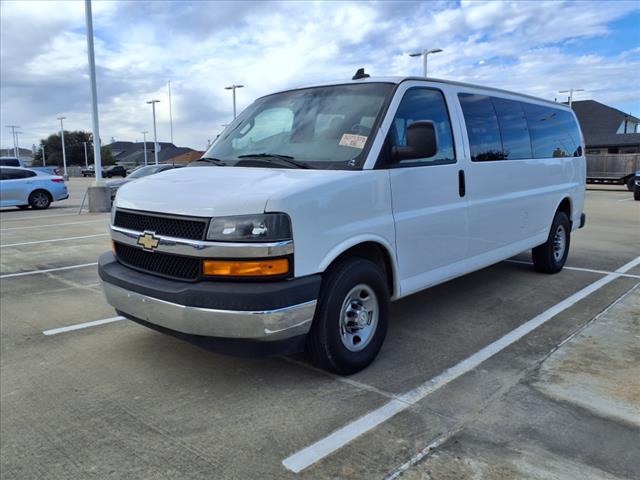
(188, 157)
(133, 152)
(600, 122)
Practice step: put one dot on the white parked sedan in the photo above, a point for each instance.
(24, 187)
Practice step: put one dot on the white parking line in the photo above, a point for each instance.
(79, 326)
(625, 199)
(51, 225)
(339, 438)
(578, 269)
(33, 272)
(38, 216)
(54, 240)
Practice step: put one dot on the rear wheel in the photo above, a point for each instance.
(636, 192)
(39, 200)
(351, 318)
(551, 256)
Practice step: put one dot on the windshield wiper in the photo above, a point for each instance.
(215, 161)
(289, 160)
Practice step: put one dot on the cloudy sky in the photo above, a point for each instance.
(534, 47)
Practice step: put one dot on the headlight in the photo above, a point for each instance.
(269, 227)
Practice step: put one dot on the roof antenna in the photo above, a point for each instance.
(360, 75)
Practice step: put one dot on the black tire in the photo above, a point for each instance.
(551, 256)
(636, 192)
(39, 199)
(23, 207)
(325, 344)
(631, 181)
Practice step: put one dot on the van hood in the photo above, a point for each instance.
(217, 191)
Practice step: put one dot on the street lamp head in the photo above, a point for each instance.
(153, 101)
(435, 50)
(417, 54)
(233, 87)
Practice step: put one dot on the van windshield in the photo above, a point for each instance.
(322, 127)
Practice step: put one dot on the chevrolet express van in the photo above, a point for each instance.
(318, 206)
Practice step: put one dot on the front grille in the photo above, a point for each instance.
(174, 266)
(191, 228)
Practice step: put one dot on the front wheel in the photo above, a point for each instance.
(39, 200)
(631, 183)
(551, 256)
(351, 318)
(636, 192)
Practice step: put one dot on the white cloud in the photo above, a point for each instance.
(201, 47)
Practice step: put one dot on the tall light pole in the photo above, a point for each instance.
(424, 54)
(86, 157)
(44, 158)
(155, 135)
(233, 88)
(571, 91)
(64, 152)
(170, 113)
(144, 141)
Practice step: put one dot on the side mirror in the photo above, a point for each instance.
(421, 142)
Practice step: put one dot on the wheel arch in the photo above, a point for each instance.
(371, 248)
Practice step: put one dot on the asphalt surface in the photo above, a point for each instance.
(120, 401)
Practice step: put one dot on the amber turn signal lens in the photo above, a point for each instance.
(249, 268)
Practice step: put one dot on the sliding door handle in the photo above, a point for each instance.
(462, 187)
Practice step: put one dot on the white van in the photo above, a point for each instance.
(318, 206)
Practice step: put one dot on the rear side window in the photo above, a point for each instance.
(554, 132)
(501, 129)
(424, 104)
(15, 174)
(516, 142)
(482, 127)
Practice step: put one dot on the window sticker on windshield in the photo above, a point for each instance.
(355, 141)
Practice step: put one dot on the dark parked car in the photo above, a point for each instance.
(114, 171)
(636, 186)
(107, 172)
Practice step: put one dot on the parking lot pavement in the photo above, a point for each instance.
(120, 401)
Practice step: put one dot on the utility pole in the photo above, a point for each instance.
(86, 158)
(64, 153)
(13, 137)
(17, 144)
(170, 113)
(424, 54)
(155, 134)
(233, 88)
(44, 159)
(571, 91)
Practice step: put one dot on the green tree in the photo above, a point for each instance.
(74, 149)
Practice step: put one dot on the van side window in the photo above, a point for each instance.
(424, 104)
(516, 143)
(554, 132)
(482, 127)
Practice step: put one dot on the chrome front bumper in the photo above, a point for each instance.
(277, 324)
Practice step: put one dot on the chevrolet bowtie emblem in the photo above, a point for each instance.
(148, 241)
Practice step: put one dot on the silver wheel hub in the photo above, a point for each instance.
(559, 243)
(358, 317)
